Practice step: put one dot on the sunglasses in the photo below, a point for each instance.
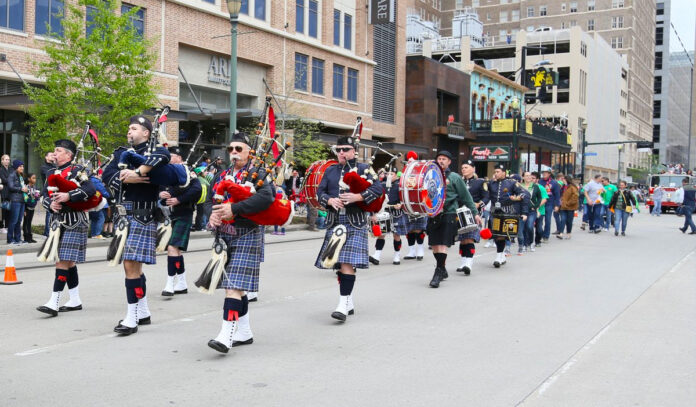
(238, 149)
(343, 149)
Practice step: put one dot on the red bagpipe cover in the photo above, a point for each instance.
(359, 184)
(278, 214)
(57, 182)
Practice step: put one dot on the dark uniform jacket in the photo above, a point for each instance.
(393, 197)
(478, 188)
(80, 194)
(501, 191)
(187, 199)
(329, 188)
(457, 194)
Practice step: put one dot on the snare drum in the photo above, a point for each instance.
(422, 188)
(467, 223)
(382, 225)
(504, 225)
(312, 179)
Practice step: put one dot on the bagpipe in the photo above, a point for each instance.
(88, 160)
(265, 165)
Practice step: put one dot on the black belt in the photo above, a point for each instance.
(141, 208)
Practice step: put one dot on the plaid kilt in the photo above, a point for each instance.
(474, 234)
(141, 240)
(73, 243)
(400, 224)
(417, 223)
(355, 250)
(181, 230)
(245, 252)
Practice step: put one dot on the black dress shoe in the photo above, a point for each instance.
(31, 241)
(374, 261)
(692, 232)
(254, 299)
(167, 294)
(65, 308)
(444, 273)
(419, 258)
(467, 271)
(218, 346)
(184, 291)
(683, 230)
(240, 343)
(125, 330)
(46, 310)
(409, 257)
(141, 321)
(396, 262)
(437, 277)
(339, 316)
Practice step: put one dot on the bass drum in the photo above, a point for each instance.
(422, 188)
(312, 179)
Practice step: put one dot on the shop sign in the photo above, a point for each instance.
(381, 11)
(490, 153)
(219, 70)
(502, 125)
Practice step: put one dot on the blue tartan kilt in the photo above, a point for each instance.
(417, 223)
(400, 224)
(181, 231)
(245, 252)
(474, 234)
(140, 244)
(354, 252)
(73, 244)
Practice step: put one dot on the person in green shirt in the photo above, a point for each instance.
(537, 209)
(442, 229)
(609, 191)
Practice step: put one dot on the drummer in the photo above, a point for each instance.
(442, 229)
(478, 188)
(416, 226)
(507, 197)
(399, 219)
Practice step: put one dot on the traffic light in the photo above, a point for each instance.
(644, 146)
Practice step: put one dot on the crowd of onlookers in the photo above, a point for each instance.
(18, 198)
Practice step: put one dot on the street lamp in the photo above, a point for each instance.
(233, 6)
(582, 150)
(618, 176)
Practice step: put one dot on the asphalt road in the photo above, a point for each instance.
(595, 321)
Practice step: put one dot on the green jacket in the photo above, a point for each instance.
(457, 194)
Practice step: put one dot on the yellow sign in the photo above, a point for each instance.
(542, 77)
(503, 126)
(528, 127)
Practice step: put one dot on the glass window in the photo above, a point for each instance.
(338, 73)
(301, 71)
(590, 24)
(89, 19)
(515, 15)
(617, 22)
(660, 9)
(244, 9)
(12, 14)
(317, 76)
(657, 108)
(260, 9)
(573, 6)
(352, 85)
(658, 60)
(313, 18)
(530, 11)
(337, 27)
(299, 16)
(138, 19)
(617, 3)
(503, 16)
(657, 85)
(49, 17)
(659, 35)
(347, 31)
(542, 10)
(590, 5)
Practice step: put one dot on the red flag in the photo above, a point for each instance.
(272, 131)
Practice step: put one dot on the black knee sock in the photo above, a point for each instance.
(143, 284)
(180, 269)
(245, 306)
(411, 238)
(462, 246)
(420, 238)
(397, 245)
(73, 279)
(171, 267)
(134, 290)
(347, 281)
(61, 279)
(231, 309)
(379, 244)
(500, 245)
(440, 259)
(469, 250)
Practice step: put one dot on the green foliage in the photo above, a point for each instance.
(307, 148)
(103, 78)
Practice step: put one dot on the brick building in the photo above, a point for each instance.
(320, 58)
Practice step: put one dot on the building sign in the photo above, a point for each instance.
(219, 70)
(490, 153)
(381, 11)
(541, 77)
(503, 125)
(528, 127)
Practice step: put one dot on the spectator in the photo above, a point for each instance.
(537, 203)
(688, 206)
(569, 204)
(593, 195)
(552, 204)
(657, 200)
(96, 218)
(293, 184)
(17, 189)
(205, 204)
(30, 199)
(280, 194)
(609, 191)
(622, 204)
(5, 172)
(321, 219)
(560, 178)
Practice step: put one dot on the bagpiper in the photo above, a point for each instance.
(398, 219)
(478, 188)
(507, 197)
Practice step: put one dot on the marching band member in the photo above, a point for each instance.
(74, 224)
(478, 188)
(509, 197)
(342, 210)
(183, 201)
(245, 245)
(399, 221)
(442, 229)
(416, 226)
(139, 198)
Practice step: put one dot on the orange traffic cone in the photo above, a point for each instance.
(10, 274)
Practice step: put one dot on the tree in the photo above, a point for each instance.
(307, 149)
(102, 76)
